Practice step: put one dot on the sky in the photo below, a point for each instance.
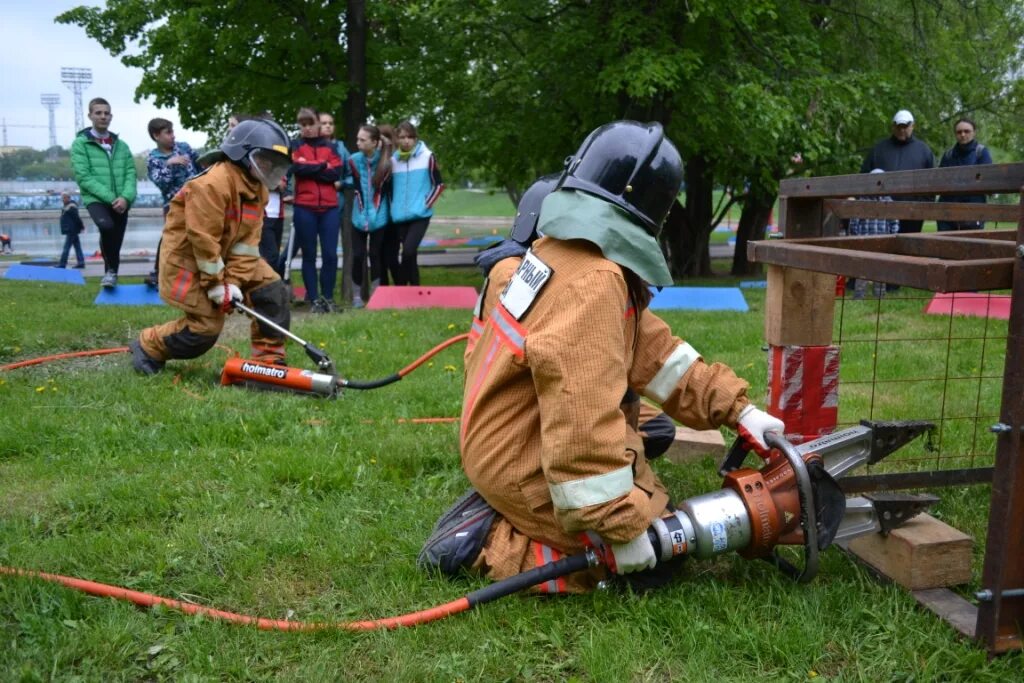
(32, 51)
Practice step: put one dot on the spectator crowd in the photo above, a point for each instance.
(393, 176)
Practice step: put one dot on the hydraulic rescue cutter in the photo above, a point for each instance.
(256, 375)
(794, 499)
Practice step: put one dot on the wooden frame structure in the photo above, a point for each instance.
(810, 213)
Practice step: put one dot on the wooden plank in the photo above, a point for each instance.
(928, 211)
(799, 306)
(801, 217)
(935, 275)
(954, 610)
(961, 246)
(691, 445)
(955, 180)
(923, 553)
(999, 621)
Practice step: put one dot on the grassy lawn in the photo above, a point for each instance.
(290, 507)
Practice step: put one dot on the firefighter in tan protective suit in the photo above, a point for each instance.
(210, 253)
(559, 335)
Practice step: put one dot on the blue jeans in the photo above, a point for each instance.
(72, 240)
(311, 225)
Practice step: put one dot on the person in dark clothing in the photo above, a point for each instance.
(966, 152)
(71, 226)
(902, 152)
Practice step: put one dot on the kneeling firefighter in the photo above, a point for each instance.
(561, 334)
(210, 255)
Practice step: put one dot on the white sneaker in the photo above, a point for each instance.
(357, 301)
(109, 280)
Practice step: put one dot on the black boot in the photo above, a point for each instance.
(143, 363)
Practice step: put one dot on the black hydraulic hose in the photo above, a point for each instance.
(537, 575)
(371, 384)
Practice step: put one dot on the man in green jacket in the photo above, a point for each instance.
(105, 172)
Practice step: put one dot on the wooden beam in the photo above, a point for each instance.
(936, 275)
(955, 180)
(923, 553)
(799, 306)
(801, 217)
(1000, 619)
(928, 211)
(692, 445)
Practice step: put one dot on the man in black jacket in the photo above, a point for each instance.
(71, 226)
(902, 152)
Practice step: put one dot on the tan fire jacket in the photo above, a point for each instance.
(211, 235)
(544, 439)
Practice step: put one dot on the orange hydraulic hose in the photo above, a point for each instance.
(59, 356)
(499, 589)
(105, 590)
(431, 353)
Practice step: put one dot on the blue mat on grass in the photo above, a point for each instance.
(754, 284)
(20, 271)
(699, 299)
(485, 241)
(128, 295)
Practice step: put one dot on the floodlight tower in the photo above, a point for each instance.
(50, 101)
(77, 79)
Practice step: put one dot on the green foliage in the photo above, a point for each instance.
(33, 164)
(289, 507)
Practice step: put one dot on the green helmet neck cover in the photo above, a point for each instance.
(568, 215)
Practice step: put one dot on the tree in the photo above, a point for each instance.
(510, 88)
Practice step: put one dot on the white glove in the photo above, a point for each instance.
(754, 424)
(633, 556)
(223, 295)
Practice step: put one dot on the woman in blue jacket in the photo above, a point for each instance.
(370, 170)
(417, 184)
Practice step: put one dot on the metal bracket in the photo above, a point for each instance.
(894, 509)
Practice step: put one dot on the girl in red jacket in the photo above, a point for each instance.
(316, 167)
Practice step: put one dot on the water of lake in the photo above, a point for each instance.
(42, 238)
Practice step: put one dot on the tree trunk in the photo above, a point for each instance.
(757, 208)
(690, 257)
(355, 116)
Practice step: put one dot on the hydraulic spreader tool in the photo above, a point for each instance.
(794, 499)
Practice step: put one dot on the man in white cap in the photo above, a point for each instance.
(902, 152)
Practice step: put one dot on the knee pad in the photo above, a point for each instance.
(459, 535)
(271, 301)
(188, 344)
(658, 434)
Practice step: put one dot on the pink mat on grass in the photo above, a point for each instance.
(422, 297)
(976, 304)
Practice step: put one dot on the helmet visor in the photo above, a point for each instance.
(268, 167)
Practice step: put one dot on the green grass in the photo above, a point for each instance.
(489, 202)
(277, 505)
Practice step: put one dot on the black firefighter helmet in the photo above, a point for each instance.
(524, 227)
(631, 165)
(262, 146)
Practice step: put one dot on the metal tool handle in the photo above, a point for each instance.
(268, 322)
(808, 515)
